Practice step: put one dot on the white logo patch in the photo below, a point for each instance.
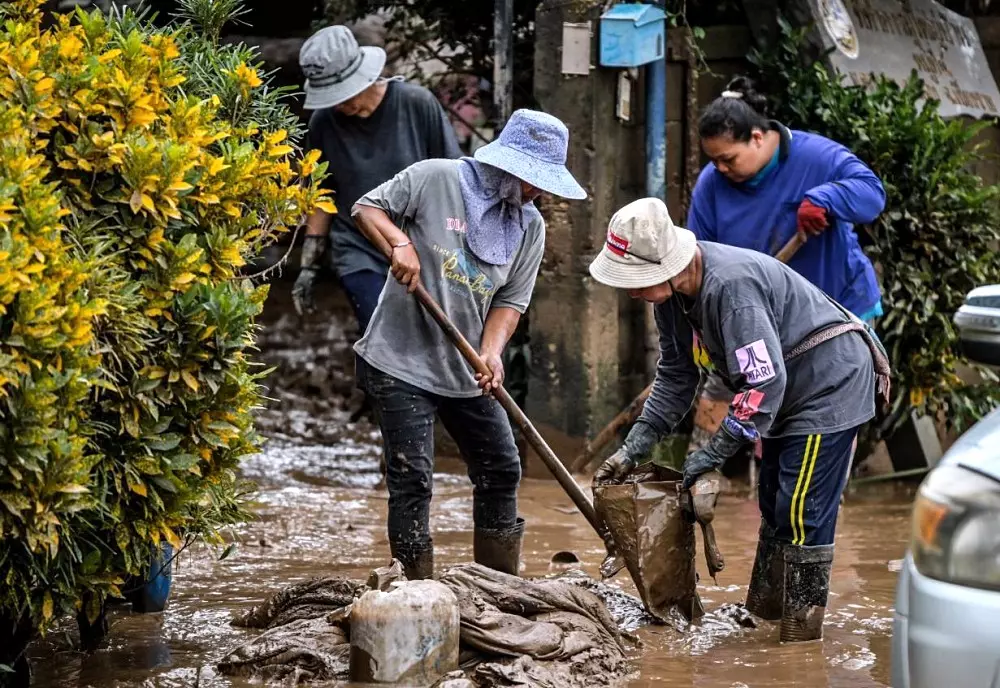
(754, 362)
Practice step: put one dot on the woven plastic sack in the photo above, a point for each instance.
(654, 534)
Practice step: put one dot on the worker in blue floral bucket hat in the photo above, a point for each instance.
(469, 232)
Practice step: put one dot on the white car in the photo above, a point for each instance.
(947, 620)
(978, 323)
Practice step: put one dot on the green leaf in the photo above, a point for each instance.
(164, 443)
(164, 483)
(91, 562)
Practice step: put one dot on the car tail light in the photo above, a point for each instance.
(956, 528)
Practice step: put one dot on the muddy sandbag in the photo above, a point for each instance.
(309, 600)
(654, 534)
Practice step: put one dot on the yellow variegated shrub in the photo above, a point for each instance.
(140, 169)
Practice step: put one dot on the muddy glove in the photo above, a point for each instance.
(312, 255)
(726, 441)
(638, 444)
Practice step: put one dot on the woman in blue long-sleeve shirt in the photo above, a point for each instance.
(766, 182)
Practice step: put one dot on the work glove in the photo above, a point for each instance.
(812, 219)
(726, 441)
(312, 255)
(640, 441)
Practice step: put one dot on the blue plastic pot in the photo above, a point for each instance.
(151, 595)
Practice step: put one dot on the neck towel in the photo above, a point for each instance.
(495, 214)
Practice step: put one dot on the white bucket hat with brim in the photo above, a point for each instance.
(643, 247)
(336, 67)
(532, 147)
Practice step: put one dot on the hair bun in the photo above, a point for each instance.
(745, 87)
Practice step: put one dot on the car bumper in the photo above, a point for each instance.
(944, 634)
(979, 333)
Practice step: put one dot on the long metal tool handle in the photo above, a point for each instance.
(470, 354)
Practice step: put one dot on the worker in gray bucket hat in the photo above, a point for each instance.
(469, 232)
(367, 129)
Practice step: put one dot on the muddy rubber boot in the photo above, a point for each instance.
(767, 581)
(418, 564)
(499, 550)
(807, 583)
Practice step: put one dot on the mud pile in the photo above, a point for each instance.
(514, 631)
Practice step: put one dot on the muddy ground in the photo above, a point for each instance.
(320, 511)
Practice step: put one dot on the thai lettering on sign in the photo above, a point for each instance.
(894, 37)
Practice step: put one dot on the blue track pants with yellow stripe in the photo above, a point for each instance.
(801, 480)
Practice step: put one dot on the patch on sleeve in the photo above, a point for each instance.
(746, 404)
(755, 363)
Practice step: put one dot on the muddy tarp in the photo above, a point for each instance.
(655, 536)
(513, 632)
(507, 615)
(300, 651)
(307, 600)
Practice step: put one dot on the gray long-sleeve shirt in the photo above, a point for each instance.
(751, 310)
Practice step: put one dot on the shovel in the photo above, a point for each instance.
(532, 435)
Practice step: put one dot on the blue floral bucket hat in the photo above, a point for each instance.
(532, 147)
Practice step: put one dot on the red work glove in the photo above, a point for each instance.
(811, 218)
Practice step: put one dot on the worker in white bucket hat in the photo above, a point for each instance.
(804, 374)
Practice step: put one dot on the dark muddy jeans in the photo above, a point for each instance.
(363, 289)
(482, 432)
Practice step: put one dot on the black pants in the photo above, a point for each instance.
(801, 480)
(480, 428)
(363, 289)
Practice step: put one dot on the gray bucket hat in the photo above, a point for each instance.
(336, 67)
(532, 147)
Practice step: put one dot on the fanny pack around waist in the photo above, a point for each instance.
(880, 359)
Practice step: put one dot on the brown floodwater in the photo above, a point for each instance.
(320, 511)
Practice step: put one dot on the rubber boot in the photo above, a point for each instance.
(767, 581)
(807, 583)
(418, 564)
(499, 549)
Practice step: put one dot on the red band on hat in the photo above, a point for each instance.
(616, 244)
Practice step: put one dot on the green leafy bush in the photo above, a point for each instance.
(140, 168)
(937, 238)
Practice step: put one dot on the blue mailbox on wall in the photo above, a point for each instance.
(632, 35)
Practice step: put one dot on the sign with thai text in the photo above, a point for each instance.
(894, 37)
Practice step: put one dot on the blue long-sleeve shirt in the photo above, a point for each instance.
(764, 217)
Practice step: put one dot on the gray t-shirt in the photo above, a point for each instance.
(409, 125)
(750, 312)
(425, 201)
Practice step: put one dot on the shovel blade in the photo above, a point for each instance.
(611, 565)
